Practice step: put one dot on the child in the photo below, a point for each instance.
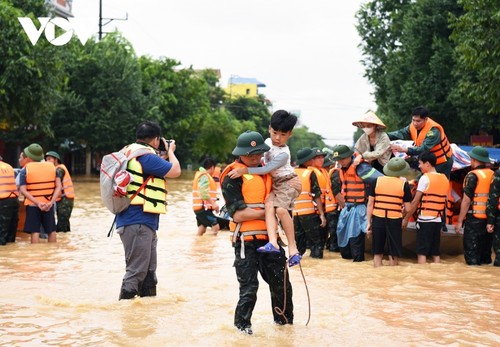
(286, 184)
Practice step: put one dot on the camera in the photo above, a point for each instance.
(161, 147)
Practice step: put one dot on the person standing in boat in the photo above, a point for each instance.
(493, 215)
(373, 146)
(477, 241)
(385, 211)
(430, 203)
(428, 136)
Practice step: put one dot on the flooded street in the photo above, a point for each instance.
(66, 294)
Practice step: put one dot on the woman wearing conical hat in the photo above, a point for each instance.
(374, 145)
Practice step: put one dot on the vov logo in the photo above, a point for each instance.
(48, 26)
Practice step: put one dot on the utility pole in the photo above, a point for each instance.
(109, 20)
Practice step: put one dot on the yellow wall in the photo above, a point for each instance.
(249, 90)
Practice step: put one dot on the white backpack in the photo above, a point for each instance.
(113, 165)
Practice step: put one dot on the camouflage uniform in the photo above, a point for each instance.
(477, 242)
(493, 214)
(307, 227)
(332, 218)
(64, 208)
(8, 220)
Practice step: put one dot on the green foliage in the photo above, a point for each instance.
(29, 78)
(303, 138)
(254, 112)
(411, 60)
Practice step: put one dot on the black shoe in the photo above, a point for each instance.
(125, 295)
(246, 330)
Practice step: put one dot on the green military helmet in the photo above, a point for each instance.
(341, 152)
(250, 142)
(34, 152)
(396, 167)
(480, 153)
(52, 154)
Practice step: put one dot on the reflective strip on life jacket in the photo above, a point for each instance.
(478, 204)
(198, 202)
(67, 184)
(153, 197)
(304, 204)
(8, 187)
(389, 193)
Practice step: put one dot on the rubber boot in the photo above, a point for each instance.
(125, 295)
(148, 287)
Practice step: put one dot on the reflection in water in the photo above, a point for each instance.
(66, 294)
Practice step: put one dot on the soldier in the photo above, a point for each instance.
(65, 202)
(245, 200)
(428, 136)
(493, 215)
(9, 203)
(352, 219)
(309, 216)
(477, 242)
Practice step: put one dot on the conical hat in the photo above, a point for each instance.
(372, 118)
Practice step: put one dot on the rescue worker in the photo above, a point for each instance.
(245, 201)
(493, 215)
(430, 203)
(351, 228)
(327, 197)
(9, 203)
(385, 211)
(333, 208)
(477, 241)
(427, 135)
(205, 198)
(65, 202)
(138, 223)
(308, 214)
(41, 187)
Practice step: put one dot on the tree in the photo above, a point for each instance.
(30, 81)
(477, 37)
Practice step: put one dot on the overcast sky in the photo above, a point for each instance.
(305, 52)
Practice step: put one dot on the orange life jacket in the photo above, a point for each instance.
(304, 204)
(442, 150)
(40, 181)
(433, 200)
(478, 204)
(353, 187)
(255, 189)
(327, 197)
(198, 202)
(67, 184)
(8, 187)
(389, 193)
(452, 218)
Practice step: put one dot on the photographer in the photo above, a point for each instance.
(137, 225)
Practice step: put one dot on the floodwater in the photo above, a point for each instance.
(66, 294)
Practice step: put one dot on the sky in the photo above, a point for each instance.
(305, 52)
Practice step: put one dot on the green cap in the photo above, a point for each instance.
(250, 142)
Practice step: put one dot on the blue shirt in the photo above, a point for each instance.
(152, 165)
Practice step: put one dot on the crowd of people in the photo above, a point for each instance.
(331, 200)
(44, 183)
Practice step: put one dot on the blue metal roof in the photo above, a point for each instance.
(245, 80)
(493, 152)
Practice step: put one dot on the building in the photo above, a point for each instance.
(243, 86)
